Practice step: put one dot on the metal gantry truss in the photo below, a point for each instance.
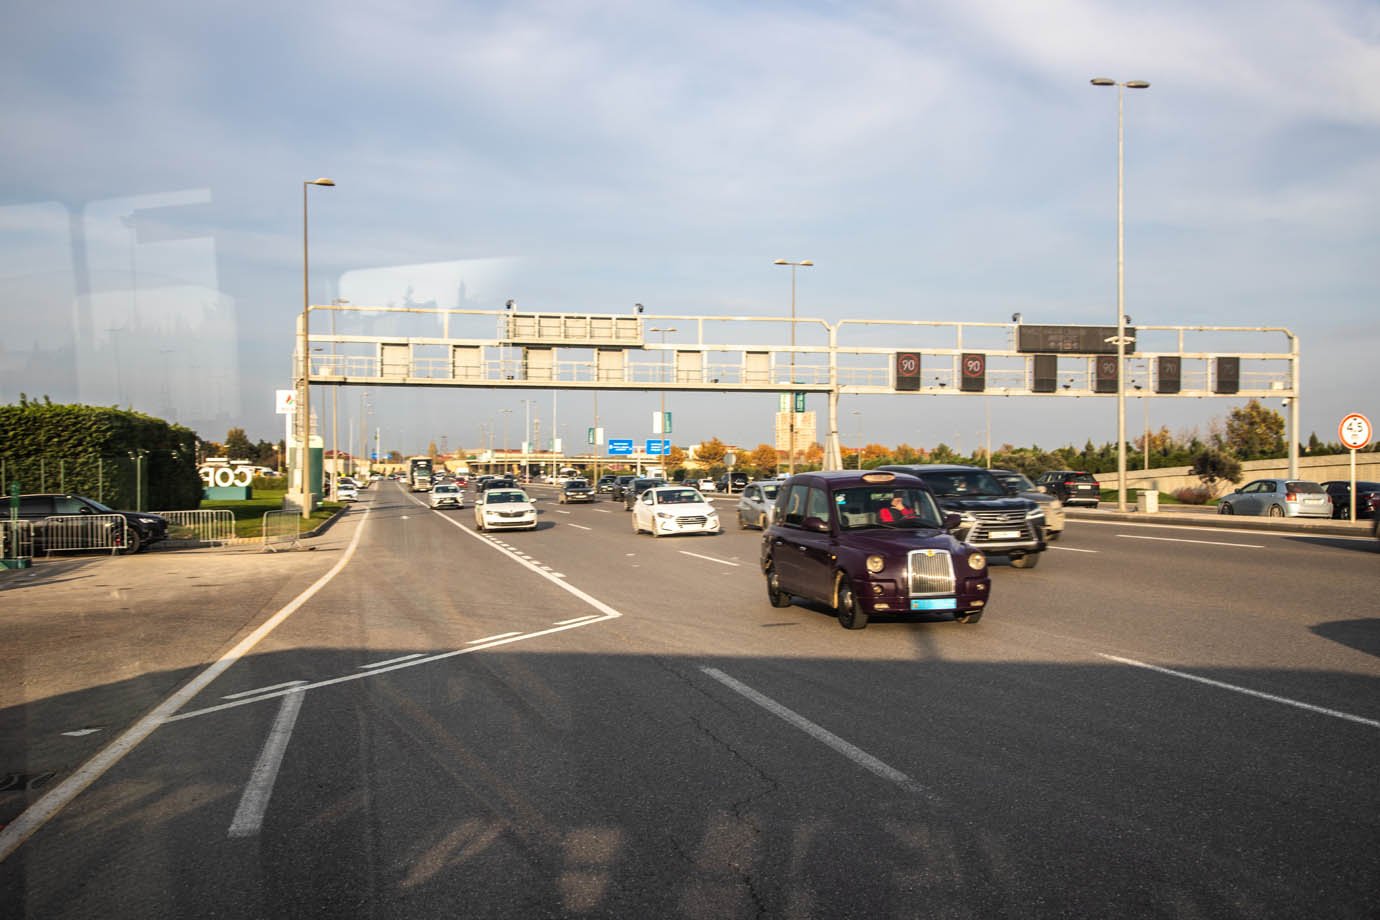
(525, 350)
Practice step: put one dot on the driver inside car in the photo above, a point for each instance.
(896, 511)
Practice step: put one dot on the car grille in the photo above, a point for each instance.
(1004, 519)
(696, 520)
(930, 572)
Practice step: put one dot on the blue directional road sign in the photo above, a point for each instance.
(658, 447)
(621, 446)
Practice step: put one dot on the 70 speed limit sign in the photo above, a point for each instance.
(1354, 431)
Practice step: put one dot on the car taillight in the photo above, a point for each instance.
(1291, 496)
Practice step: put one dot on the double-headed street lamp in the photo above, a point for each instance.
(790, 444)
(304, 348)
(1120, 283)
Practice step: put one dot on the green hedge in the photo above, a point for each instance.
(122, 458)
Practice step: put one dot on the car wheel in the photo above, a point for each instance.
(742, 524)
(762, 522)
(777, 597)
(969, 617)
(134, 542)
(1275, 511)
(1224, 508)
(1028, 561)
(850, 611)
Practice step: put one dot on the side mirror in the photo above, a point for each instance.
(1236, 491)
(952, 520)
(816, 524)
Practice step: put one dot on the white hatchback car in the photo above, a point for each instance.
(447, 495)
(673, 509)
(504, 509)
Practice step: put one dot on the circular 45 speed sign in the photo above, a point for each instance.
(1354, 431)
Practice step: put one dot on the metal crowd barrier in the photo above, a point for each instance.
(16, 539)
(63, 533)
(281, 529)
(210, 527)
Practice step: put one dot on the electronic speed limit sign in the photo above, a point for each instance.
(1354, 431)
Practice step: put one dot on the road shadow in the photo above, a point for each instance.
(1362, 635)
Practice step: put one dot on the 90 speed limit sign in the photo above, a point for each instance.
(1354, 431)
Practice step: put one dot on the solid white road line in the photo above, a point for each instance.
(592, 616)
(1133, 536)
(686, 552)
(380, 664)
(855, 754)
(1070, 549)
(42, 811)
(235, 696)
(1334, 713)
(581, 526)
(507, 635)
(249, 817)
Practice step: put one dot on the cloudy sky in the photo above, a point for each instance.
(937, 160)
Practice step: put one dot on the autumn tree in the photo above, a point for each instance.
(710, 453)
(764, 459)
(1254, 432)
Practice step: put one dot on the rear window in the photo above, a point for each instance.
(1300, 486)
(1081, 477)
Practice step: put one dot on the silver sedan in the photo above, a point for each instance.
(1278, 498)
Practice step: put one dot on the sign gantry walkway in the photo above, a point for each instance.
(512, 349)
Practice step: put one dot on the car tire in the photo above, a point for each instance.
(762, 523)
(850, 610)
(777, 597)
(742, 524)
(134, 542)
(1224, 508)
(636, 529)
(1028, 561)
(969, 617)
(1275, 511)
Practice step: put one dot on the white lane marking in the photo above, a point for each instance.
(380, 664)
(581, 526)
(235, 696)
(42, 811)
(249, 817)
(81, 732)
(559, 511)
(686, 552)
(507, 635)
(853, 753)
(1070, 549)
(1335, 713)
(592, 616)
(1136, 536)
(603, 511)
(1241, 530)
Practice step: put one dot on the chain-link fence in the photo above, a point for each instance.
(133, 481)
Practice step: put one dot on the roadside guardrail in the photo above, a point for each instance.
(209, 527)
(61, 533)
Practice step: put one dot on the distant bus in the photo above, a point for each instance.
(419, 474)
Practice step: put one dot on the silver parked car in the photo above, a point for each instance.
(757, 504)
(1020, 484)
(1278, 498)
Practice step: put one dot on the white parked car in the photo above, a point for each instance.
(346, 492)
(502, 508)
(447, 494)
(673, 509)
(707, 485)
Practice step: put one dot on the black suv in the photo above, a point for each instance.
(992, 518)
(141, 529)
(606, 483)
(732, 482)
(836, 540)
(636, 487)
(621, 483)
(1071, 487)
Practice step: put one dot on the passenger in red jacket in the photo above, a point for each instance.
(896, 511)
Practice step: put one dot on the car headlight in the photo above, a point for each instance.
(663, 515)
(977, 561)
(875, 564)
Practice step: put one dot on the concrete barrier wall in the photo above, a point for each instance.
(1315, 469)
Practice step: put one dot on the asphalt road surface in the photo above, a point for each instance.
(418, 720)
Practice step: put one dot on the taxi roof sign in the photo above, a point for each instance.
(878, 477)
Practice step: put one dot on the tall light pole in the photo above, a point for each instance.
(304, 383)
(506, 413)
(1120, 282)
(790, 444)
(857, 423)
(661, 426)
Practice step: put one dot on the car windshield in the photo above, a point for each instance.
(861, 508)
(1016, 481)
(499, 498)
(447, 489)
(576, 484)
(964, 484)
(769, 492)
(677, 496)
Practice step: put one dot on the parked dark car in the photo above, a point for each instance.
(621, 483)
(636, 488)
(1072, 487)
(606, 483)
(831, 543)
(575, 490)
(141, 529)
(731, 482)
(992, 518)
(1367, 495)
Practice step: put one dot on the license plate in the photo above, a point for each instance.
(933, 603)
(1005, 535)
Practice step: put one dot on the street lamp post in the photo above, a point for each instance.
(857, 423)
(790, 443)
(1120, 282)
(304, 387)
(662, 424)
